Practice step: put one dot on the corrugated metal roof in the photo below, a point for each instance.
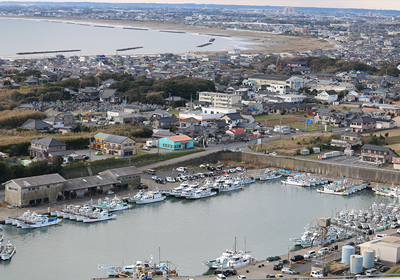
(35, 181)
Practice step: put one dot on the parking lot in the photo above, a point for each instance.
(351, 161)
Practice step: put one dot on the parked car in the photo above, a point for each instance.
(350, 243)
(288, 270)
(271, 259)
(398, 231)
(279, 276)
(155, 178)
(310, 254)
(277, 267)
(143, 187)
(221, 277)
(283, 261)
(181, 169)
(316, 274)
(145, 148)
(85, 157)
(151, 171)
(384, 269)
(161, 181)
(270, 276)
(98, 153)
(170, 179)
(323, 251)
(296, 258)
(241, 277)
(274, 154)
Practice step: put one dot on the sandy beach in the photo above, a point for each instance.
(254, 41)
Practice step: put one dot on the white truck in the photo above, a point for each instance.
(316, 274)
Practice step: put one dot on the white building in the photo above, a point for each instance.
(329, 96)
(115, 113)
(293, 98)
(222, 100)
(206, 115)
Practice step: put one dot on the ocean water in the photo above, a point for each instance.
(187, 232)
(25, 35)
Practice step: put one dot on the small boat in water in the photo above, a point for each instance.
(98, 216)
(6, 252)
(203, 192)
(40, 222)
(150, 197)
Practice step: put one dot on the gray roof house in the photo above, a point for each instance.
(110, 95)
(41, 147)
(36, 124)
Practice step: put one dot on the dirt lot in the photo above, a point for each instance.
(289, 146)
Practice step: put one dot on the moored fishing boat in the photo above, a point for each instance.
(6, 252)
(40, 222)
(98, 216)
(151, 197)
(203, 192)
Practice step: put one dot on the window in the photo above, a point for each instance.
(12, 189)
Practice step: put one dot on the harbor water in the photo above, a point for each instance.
(187, 232)
(98, 39)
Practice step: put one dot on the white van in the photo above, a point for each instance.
(310, 254)
(370, 272)
(381, 235)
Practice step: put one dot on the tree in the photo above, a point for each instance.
(178, 103)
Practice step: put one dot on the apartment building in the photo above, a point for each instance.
(222, 100)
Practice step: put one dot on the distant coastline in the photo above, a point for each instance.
(250, 41)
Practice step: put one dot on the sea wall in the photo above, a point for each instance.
(379, 175)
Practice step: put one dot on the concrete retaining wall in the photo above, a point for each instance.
(317, 167)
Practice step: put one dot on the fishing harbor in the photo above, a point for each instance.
(172, 215)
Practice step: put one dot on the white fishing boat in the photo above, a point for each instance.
(203, 192)
(98, 216)
(151, 197)
(8, 221)
(40, 222)
(6, 252)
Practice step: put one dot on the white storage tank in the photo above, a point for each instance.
(335, 153)
(368, 258)
(328, 155)
(356, 262)
(346, 252)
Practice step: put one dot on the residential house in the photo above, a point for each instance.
(168, 101)
(28, 107)
(68, 118)
(36, 124)
(111, 96)
(377, 154)
(158, 113)
(347, 138)
(236, 134)
(363, 124)
(232, 119)
(328, 96)
(119, 146)
(178, 142)
(41, 147)
(132, 109)
(384, 123)
(164, 123)
(54, 122)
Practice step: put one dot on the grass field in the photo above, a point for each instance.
(289, 146)
(138, 160)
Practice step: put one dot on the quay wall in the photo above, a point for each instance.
(374, 174)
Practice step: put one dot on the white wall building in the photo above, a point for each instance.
(223, 100)
(206, 115)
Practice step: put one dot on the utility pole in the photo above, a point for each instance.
(280, 128)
